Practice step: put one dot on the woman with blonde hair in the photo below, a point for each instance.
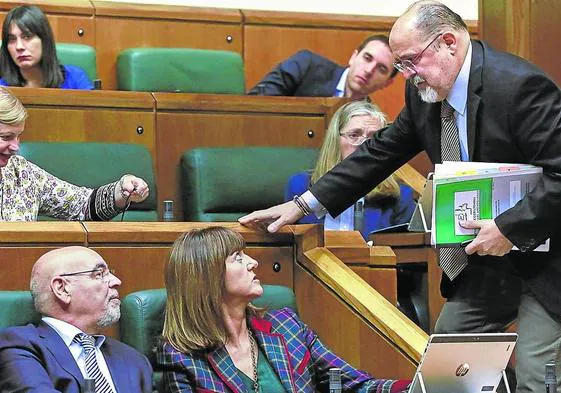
(215, 340)
(27, 190)
(389, 204)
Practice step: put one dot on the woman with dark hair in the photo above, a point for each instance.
(215, 340)
(28, 55)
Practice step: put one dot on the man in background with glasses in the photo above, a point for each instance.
(76, 294)
(466, 101)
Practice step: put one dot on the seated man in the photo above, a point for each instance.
(77, 295)
(306, 74)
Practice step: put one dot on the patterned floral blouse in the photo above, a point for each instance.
(27, 191)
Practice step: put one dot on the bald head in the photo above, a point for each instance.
(56, 262)
(430, 43)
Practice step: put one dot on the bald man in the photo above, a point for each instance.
(77, 296)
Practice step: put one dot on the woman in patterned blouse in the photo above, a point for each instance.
(215, 340)
(27, 190)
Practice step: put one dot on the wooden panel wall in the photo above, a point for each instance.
(119, 26)
(526, 28)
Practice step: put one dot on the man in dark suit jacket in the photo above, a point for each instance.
(306, 74)
(76, 293)
(506, 110)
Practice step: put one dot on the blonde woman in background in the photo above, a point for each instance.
(389, 204)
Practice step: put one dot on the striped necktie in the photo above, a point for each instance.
(92, 368)
(452, 260)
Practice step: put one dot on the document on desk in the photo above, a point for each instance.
(476, 191)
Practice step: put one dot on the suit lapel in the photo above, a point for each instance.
(474, 99)
(119, 374)
(226, 370)
(275, 350)
(60, 351)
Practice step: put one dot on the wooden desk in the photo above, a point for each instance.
(416, 248)
(351, 317)
(186, 121)
(89, 116)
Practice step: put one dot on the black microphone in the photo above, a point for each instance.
(358, 216)
(335, 380)
(550, 377)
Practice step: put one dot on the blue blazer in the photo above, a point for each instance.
(36, 359)
(304, 74)
(294, 351)
(74, 78)
(378, 216)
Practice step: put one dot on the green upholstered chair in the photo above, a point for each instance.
(223, 184)
(16, 309)
(142, 317)
(79, 55)
(180, 70)
(93, 164)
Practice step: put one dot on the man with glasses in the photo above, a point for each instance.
(76, 294)
(307, 74)
(466, 101)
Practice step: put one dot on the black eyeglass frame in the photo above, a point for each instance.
(101, 270)
(409, 64)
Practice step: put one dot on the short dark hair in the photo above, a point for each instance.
(31, 20)
(376, 37)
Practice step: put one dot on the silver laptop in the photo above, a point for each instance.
(463, 363)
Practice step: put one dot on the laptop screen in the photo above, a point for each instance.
(463, 363)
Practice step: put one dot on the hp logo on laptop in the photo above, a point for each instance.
(462, 370)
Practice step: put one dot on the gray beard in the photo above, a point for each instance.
(110, 316)
(428, 95)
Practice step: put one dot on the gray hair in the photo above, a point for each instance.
(433, 17)
(40, 296)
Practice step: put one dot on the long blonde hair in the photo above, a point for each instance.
(330, 153)
(194, 277)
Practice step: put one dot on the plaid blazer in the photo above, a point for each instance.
(294, 351)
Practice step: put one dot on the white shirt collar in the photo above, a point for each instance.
(67, 331)
(340, 89)
(457, 97)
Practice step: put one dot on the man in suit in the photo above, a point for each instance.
(76, 294)
(504, 110)
(307, 74)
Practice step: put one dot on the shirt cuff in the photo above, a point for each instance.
(315, 206)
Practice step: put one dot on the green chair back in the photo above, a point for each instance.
(92, 164)
(142, 317)
(180, 70)
(223, 184)
(16, 309)
(79, 55)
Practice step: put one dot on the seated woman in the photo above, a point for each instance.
(27, 190)
(28, 55)
(215, 340)
(390, 203)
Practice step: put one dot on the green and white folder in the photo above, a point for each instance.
(475, 191)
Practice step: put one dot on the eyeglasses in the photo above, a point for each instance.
(354, 137)
(409, 64)
(101, 273)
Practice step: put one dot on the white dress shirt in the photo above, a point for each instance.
(67, 332)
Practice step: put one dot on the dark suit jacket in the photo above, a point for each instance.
(514, 115)
(294, 351)
(36, 359)
(304, 74)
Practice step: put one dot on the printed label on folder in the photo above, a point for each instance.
(466, 207)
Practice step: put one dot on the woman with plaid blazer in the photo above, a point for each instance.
(214, 340)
